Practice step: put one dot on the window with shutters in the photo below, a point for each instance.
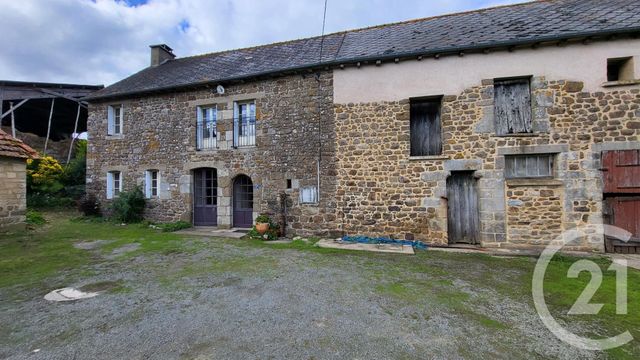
(152, 180)
(115, 117)
(425, 127)
(529, 166)
(114, 184)
(244, 123)
(512, 106)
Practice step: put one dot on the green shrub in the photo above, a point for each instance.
(35, 218)
(44, 175)
(89, 205)
(173, 226)
(43, 201)
(263, 219)
(128, 207)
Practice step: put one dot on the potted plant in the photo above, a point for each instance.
(263, 222)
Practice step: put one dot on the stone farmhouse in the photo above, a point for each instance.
(499, 127)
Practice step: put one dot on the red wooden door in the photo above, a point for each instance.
(621, 171)
(621, 175)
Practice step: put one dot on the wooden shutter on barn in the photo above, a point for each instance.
(512, 106)
(425, 127)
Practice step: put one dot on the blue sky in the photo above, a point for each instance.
(103, 41)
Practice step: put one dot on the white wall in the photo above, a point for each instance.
(449, 75)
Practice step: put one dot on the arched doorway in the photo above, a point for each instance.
(242, 202)
(205, 197)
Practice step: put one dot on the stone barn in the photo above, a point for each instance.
(13, 177)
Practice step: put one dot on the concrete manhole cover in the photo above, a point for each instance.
(68, 294)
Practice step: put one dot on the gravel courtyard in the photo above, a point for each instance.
(166, 296)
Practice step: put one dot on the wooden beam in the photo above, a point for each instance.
(51, 92)
(10, 111)
(75, 130)
(46, 141)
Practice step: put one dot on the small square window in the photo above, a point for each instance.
(309, 195)
(620, 69)
(529, 166)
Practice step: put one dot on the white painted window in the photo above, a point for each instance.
(115, 119)
(114, 184)
(309, 195)
(206, 129)
(151, 183)
(244, 123)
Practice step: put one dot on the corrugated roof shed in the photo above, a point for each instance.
(499, 26)
(14, 148)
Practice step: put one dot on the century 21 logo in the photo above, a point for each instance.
(583, 306)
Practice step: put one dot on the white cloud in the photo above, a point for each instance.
(82, 41)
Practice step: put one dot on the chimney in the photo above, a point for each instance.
(161, 53)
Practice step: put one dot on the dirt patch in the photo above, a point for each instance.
(91, 245)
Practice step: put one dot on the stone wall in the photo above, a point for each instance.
(294, 118)
(13, 192)
(383, 191)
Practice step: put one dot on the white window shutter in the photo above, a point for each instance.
(199, 128)
(109, 185)
(236, 123)
(147, 184)
(121, 119)
(110, 120)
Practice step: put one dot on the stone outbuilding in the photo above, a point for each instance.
(13, 177)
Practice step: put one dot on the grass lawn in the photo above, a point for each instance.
(454, 296)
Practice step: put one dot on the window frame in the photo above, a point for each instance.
(620, 64)
(432, 150)
(240, 139)
(202, 118)
(114, 177)
(151, 185)
(528, 123)
(313, 195)
(511, 169)
(115, 119)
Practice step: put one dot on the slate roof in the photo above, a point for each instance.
(499, 26)
(14, 148)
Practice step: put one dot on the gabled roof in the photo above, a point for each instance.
(509, 25)
(14, 148)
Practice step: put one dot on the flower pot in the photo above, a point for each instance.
(262, 227)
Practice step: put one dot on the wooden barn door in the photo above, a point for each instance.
(205, 197)
(463, 221)
(621, 173)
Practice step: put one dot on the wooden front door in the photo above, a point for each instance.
(621, 175)
(463, 217)
(205, 197)
(242, 202)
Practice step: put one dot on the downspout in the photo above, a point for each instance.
(319, 97)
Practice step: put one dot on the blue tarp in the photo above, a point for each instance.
(381, 240)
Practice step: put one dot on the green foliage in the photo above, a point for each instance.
(44, 201)
(44, 175)
(173, 226)
(35, 218)
(271, 234)
(128, 207)
(50, 185)
(89, 205)
(263, 219)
